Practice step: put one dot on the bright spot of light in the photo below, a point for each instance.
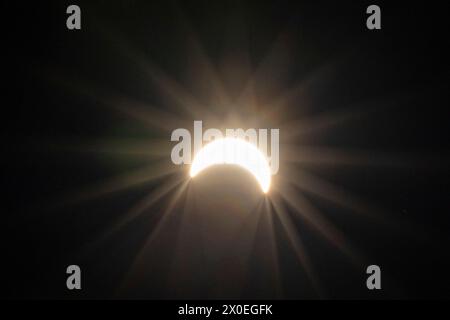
(234, 151)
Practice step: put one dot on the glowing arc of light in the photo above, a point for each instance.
(237, 152)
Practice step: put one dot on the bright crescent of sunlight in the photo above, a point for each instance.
(234, 151)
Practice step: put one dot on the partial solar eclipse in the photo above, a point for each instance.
(234, 151)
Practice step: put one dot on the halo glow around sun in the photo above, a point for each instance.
(237, 152)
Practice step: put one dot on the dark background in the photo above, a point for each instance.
(402, 69)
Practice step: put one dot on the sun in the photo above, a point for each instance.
(234, 151)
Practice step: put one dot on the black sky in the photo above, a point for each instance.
(399, 76)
